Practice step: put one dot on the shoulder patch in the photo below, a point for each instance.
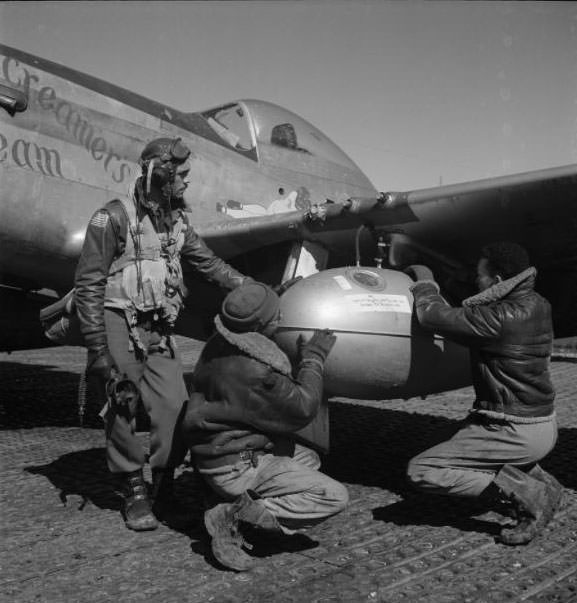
(100, 219)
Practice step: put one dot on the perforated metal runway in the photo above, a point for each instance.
(63, 539)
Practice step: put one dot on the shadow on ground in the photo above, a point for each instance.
(84, 474)
(42, 396)
(438, 511)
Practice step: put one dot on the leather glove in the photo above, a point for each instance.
(280, 289)
(319, 345)
(418, 272)
(101, 365)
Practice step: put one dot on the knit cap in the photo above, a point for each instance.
(249, 307)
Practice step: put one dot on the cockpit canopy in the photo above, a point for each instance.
(250, 126)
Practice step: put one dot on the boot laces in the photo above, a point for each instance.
(136, 490)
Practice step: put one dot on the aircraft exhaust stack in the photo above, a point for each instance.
(380, 353)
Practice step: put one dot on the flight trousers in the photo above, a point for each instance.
(466, 463)
(160, 380)
(291, 488)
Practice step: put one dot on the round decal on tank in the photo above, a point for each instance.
(367, 279)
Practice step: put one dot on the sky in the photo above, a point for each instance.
(416, 93)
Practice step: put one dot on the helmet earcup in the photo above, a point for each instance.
(158, 173)
(163, 174)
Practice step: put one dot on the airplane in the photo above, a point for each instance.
(276, 198)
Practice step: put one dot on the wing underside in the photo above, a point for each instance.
(444, 227)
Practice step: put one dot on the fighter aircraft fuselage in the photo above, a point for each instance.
(75, 146)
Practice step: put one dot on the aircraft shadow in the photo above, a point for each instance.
(43, 396)
(46, 396)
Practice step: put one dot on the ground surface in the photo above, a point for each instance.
(62, 538)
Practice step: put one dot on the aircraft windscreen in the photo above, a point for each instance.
(279, 127)
(231, 124)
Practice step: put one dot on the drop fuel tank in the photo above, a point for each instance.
(380, 352)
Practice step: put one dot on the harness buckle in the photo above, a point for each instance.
(249, 456)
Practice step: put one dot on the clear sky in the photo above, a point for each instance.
(417, 93)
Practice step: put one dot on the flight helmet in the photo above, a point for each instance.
(159, 159)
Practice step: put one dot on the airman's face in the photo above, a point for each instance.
(485, 278)
(180, 180)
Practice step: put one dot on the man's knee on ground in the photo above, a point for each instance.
(421, 476)
(341, 496)
(335, 497)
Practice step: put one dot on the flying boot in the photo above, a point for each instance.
(535, 502)
(538, 473)
(223, 524)
(259, 518)
(136, 510)
(493, 499)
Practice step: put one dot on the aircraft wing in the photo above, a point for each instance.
(444, 227)
(535, 209)
(242, 235)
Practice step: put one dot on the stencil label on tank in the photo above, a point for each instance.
(374, 302)
(342, 282)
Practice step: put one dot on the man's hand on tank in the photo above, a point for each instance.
(319, 345)
(419, 272)
(282, 287)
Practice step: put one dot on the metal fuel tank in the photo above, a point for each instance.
(380, 352)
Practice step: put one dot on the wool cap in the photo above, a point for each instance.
(249, 307)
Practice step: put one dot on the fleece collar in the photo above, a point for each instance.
(257, 346)
(499, 290)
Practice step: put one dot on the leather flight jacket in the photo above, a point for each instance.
(508, 329)
(106, 241)
(247, 399)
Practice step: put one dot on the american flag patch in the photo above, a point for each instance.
(100, 219)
